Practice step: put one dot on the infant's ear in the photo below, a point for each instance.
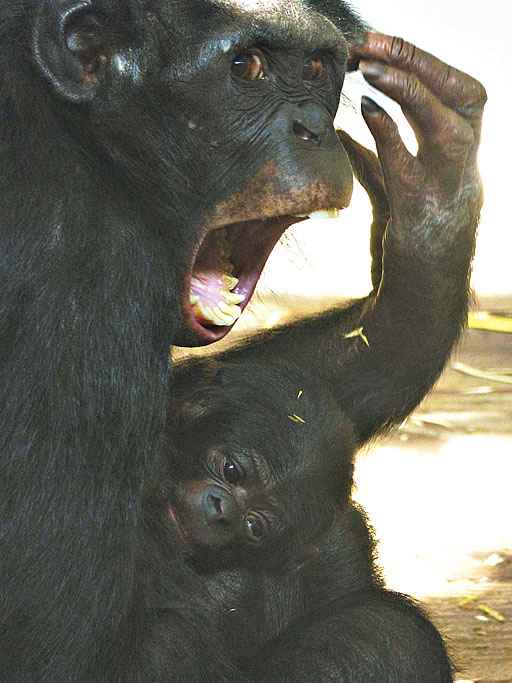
(307, 554)
(187, 403)
(188, 412)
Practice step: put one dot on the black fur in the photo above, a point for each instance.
(305, 603)
(107, 191)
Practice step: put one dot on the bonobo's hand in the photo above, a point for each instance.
(436, 195)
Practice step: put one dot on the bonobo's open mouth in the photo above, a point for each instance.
(226, 267)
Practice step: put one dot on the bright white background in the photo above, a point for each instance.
(331, 258)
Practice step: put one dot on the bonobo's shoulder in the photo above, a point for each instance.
(347, 552)
(350, 527)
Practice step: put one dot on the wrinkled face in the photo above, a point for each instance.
(227, 504)
(259, 100)
(233, 510)
(219, 116)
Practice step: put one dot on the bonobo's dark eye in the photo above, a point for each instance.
(249, 66)
(314, 68)
(256, 528)
(232, 472)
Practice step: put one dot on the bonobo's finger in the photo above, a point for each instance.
(399, 167)
(454, 88)
(443, 135)
(367, 170)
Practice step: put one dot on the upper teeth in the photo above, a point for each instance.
(230, 281)
(322, 213)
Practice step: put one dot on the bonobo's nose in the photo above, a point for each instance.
(312, 123)
(219, 506)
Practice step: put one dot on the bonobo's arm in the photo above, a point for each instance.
(368, 171)
(344, 626)
(383, 354)
(365, 636)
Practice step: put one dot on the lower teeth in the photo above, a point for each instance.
(212, 301)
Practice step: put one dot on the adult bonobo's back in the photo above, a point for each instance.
(151, 154)
(131, 133)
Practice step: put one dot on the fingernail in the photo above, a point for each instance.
(370, 105)
(371, 69)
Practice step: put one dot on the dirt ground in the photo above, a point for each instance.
(450, 468)
(439, 495)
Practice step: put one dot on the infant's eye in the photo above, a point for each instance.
(232, 472)
(314, 68)
(256, 528)
(248, 66)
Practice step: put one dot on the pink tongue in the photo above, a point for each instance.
(212, 301)
(208, 286)
(211, 295)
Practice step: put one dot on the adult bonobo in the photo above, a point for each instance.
(149, 148)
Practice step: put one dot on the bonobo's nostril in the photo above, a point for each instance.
(220, 507)
(305, 133)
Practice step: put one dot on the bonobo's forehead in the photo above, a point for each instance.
(272, 12)
(280, 23)
(291, 23)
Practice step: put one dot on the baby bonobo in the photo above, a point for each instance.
(261, 500)
(262, 463)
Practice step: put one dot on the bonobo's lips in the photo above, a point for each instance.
(226, 266)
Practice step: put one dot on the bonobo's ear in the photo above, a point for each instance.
(70, 46)
(309, 553)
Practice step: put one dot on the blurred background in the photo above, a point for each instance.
(438, 491)
(470, 35)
